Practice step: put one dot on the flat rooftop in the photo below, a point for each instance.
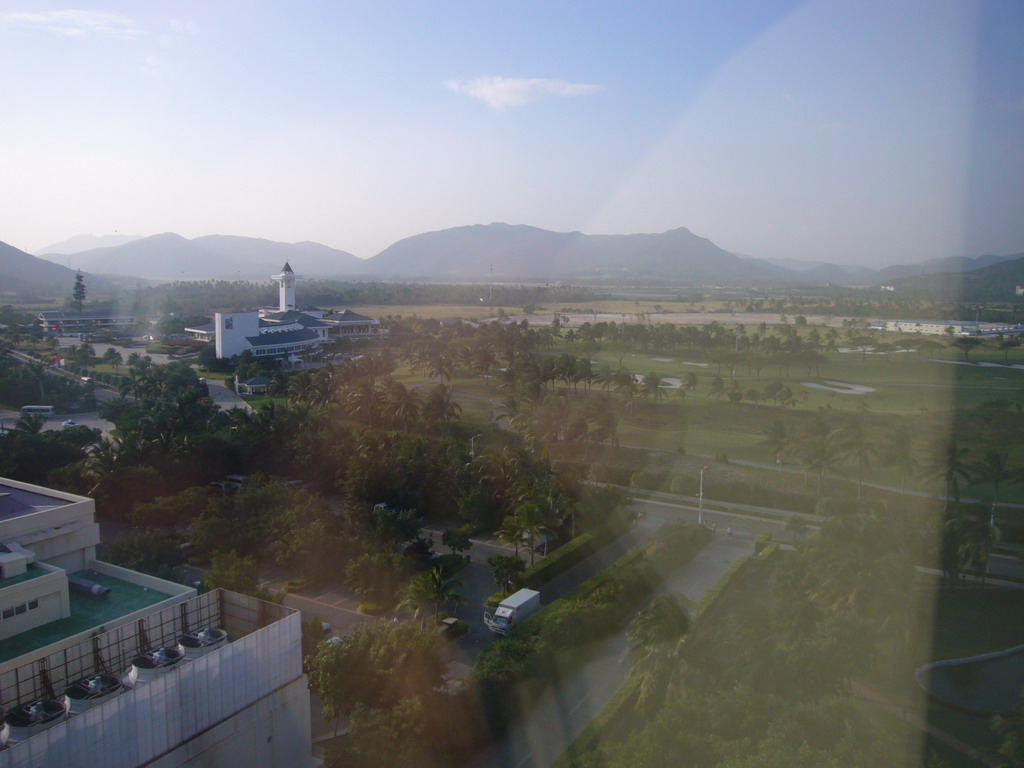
(32, 572)
(86, 613)
(15, 502)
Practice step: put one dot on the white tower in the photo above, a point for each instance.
(286, 287)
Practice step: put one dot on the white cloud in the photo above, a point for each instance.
(184, 27)
(154, 67)
(77, 23)
(500, 92)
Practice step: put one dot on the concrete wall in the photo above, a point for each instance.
(272, 733)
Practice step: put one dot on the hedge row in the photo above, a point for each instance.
(595, 609)
(624, 694)
(571, 553)
(557, 562)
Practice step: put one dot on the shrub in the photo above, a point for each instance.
(761, 541)
(681, 486)
(371, 608)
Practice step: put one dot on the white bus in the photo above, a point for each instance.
(43, 409)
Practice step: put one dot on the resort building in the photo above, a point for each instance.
(351, 325)
(285, 336)
(102, 666)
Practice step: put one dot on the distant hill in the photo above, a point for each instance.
(80, 243)
(821, 272)
(22, 273)
(520, 252)
(216, 257)
(310, 259)
(937, 266)
(996, 282)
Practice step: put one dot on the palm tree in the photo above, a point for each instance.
(402, 403)
(534, 524)
(821, 453)
(973, 538)
(656, 635)
(434, 589)
(993, 469)
(439, 408)
(365, 400)
(856, 443)
(899, 453)
(777, 438)
(949, 464)
(512, 531)
(652, 387)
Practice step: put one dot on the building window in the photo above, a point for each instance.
(17, 610)
(229, 323)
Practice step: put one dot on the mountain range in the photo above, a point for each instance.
(476, 253)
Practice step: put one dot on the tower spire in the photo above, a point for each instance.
(286, 287)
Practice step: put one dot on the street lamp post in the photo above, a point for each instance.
(700, 498)
(472, 446)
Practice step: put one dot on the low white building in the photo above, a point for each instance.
(941, 327)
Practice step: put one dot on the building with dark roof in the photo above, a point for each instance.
(350, 325)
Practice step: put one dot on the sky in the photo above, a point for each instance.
(873, 133)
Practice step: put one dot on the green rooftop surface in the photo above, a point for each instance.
(32, 572)
(86, 613)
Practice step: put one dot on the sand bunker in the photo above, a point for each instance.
(661, 359)
(868, 351)
(1017, 366)
(840, 387)
(666, 382)
(699, 365)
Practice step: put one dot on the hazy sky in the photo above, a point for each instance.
(877, 131)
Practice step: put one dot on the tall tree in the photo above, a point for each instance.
(380, 665)
(777, 438)
(78, 292)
